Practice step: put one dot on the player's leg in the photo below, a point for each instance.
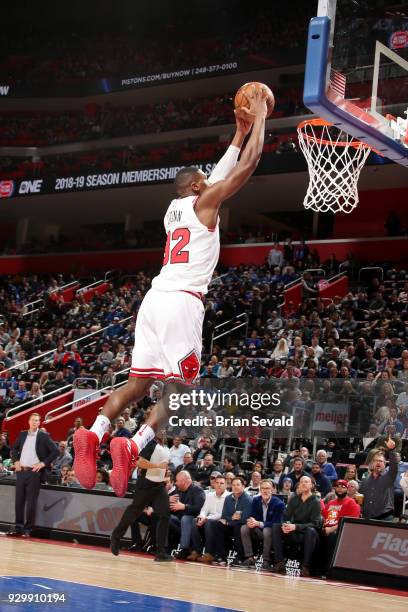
(124, 452)
(86, 442)
(142, 373)
(176, 321)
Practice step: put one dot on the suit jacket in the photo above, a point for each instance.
(46, 449)
(273, 514)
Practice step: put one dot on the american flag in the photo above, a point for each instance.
(338, 83)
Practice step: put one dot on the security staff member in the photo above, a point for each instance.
(32, 453)
(151, 491)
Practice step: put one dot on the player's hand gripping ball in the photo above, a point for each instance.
(242, 99)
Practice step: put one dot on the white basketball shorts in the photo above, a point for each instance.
(168, 336)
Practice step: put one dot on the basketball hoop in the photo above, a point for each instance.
(335, 160)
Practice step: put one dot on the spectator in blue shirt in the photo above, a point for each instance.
(327, 468)
(235, 513)
(120, 429)
(266, 510)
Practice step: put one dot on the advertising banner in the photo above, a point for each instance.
(69, 509)
(372, 548)
(330, 416)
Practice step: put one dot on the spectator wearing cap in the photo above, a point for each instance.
(341, 506)
(327, 468)
(177, 452)
(254, 487)
(213, 477)
(211, 511)
(322, 483)
(266, 510)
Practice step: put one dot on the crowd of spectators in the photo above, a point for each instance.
(135, 157)
(98, 122)
(353, 350)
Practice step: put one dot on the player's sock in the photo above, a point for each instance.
(101, 425)
(143, 437)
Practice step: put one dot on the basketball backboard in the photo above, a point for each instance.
(356, 72)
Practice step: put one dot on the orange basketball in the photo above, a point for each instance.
(241, 99)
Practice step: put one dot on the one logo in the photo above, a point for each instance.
(47, 507)
(389, 545)
(6, 189)
(292, 568)
(399, 40)
(189, 367)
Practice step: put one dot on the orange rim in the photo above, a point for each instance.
(322, 123)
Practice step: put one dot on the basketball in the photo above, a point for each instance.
(242, 100)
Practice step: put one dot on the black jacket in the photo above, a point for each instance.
(193, 498)
(46, 449)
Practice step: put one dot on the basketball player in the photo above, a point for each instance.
(168, 333)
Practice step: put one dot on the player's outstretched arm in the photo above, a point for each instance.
(229, 160)
(214, 195)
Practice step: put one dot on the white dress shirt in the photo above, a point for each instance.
(29, 456)
(213, 505)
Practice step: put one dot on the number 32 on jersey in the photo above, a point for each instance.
(177, 254)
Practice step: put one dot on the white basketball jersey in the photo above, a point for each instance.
(191, 252)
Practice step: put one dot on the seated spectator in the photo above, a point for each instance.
(341, 506)
(203, 474)
(281, 351)
(177, 452)
(301, 521)
(64, 474)
(242, 370)
(323, 484)
(230, 464)
(235, 512)
(201, 529)
(64, 458)
(254, 487)
(351, 473)
(266, 510)
(185, 505)
(130, 424)
(327, 468)
(297, 472)
(71, 480)
(226, 370)
(120, 430)
(278, 473)
(188, 465)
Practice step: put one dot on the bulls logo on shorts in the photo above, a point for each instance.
(189, 367)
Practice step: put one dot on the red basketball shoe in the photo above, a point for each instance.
(124, 453)
(86, 445)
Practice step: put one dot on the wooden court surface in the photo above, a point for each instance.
(229, 588)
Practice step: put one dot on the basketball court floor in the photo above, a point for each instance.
(90, 578)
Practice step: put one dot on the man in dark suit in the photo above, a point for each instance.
(32, 453)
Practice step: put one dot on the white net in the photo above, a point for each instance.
(335, 161)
